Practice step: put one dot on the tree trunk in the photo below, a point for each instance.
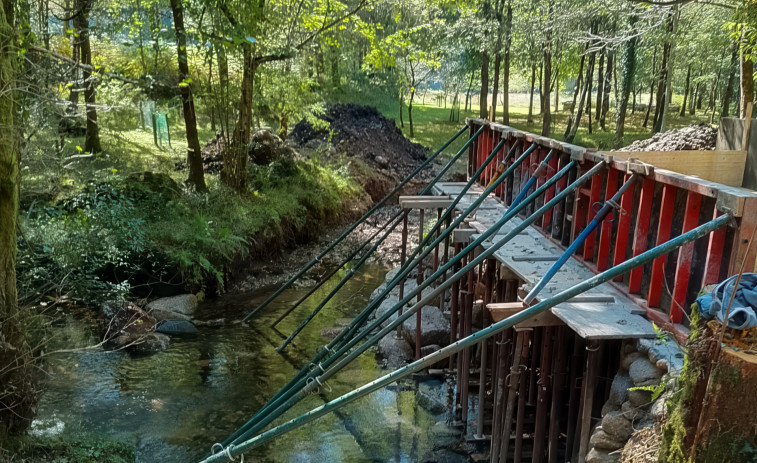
(728, 94)
(577, 88)
(410, 111)
(629, 67)
(495, 90)
(223, 89)
(584, 98)
(194, 153)
(483, 98)
(600, 85)
(92, 136)
(402, 103)
(695, 98)
(686, 91)
(234, 173)
(606, 92)
(746, 82)
(660, 98)
(17, 395)
(506, 64)
(467, 94)
(531, 98)
(546, 118)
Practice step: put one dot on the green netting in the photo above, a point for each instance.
(160, 131)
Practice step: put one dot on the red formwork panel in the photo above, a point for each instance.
(657, 278)
(715, 248)
(685, 255)
(596, 191)
(624, 227)
(641, 232)
(553, 164)
(605, 236)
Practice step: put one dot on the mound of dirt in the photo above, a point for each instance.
(264, 148)
(694, 137)
(362, 132)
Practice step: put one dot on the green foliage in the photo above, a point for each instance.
(89, 449)
(656, 390)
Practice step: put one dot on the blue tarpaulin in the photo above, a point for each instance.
(743, 313)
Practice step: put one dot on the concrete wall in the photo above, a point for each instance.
(730, 136)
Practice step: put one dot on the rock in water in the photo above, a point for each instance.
(124, 319)
(434, 327)
(185, 304)
(151, 343)
(176, 327)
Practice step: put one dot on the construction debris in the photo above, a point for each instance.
(694, 137)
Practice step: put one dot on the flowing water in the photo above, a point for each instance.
(175, 404)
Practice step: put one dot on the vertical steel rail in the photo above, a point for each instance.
(280, 403)
(596, 280)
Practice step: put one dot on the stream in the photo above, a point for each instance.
(172, 406)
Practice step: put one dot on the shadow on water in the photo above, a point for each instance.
(173, 405)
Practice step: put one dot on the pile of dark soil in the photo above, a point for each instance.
(264, 148)
(362, 132)
(694, 137)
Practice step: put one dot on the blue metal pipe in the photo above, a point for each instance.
(607, 207)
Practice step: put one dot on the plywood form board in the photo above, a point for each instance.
(720, 166)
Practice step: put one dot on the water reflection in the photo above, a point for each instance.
(173, 405)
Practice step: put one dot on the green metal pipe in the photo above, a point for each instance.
(475, 338)
(326, 278)
(363, 316)
(351, 273)
(321, 354)
(304, 387)
(339, 286)
(410, 264)
(373, 209)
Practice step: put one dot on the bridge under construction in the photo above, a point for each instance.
(546, 262)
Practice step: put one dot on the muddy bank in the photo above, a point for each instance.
(277, 269)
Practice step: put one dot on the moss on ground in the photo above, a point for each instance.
(89, 449)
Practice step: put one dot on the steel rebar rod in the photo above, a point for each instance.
(363, 316)
(344, 280)
(370, 212)
(281, 404)
(333, 272)
(421, 241)
(603, 212)
(647, 256)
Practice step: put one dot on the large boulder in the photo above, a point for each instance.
(395, 351)
(644, 373)
(180, 307)
(176, 327)
(434, 327)
(616, 425)
(266, 147)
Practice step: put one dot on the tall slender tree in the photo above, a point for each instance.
(194, 155)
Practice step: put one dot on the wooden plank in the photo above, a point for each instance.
(603, 321)
(744, 232)
(605, 236)
(720, 166)
(657, 278)
(463, 235)
(425, 202)
(502, 310)
(685, 256)
(640, 233)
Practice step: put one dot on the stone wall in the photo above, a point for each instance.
(645, 363)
